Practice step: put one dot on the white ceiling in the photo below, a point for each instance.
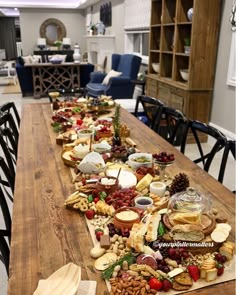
(66, 4)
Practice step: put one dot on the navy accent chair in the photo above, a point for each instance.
(118, 87)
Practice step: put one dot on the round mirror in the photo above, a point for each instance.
(52, 29)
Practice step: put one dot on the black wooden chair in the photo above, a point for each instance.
(7, 153)
(4, 249)
(152, 110)
(197, 128)
(172, 125)
(10, 107)
(7, 121)
(230, 146)
(5, 192)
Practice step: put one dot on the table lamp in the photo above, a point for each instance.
(41, 43)
(66, 43)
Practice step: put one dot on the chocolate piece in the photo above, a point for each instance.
(105, 241)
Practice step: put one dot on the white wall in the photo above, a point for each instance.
(117, 27)
(31, 20)
(223, 104)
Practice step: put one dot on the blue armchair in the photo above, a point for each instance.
(118, 87)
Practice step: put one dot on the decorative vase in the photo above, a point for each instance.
(190, 14)
(76, 55)
(100, 28)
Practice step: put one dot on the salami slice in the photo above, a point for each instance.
(148, 260)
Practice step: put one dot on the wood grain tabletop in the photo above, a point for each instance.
(45, 235)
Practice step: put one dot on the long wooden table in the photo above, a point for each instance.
(45, 235)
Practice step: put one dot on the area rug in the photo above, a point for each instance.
(8, 89)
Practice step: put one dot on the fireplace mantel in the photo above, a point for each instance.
(100, 46)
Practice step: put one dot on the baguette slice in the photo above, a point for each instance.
(152, 229)
(187, 232)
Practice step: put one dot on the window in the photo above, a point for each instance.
(137, 42)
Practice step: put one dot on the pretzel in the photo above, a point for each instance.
(81, 204)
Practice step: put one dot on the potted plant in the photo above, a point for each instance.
(187, 45)
(58, 44)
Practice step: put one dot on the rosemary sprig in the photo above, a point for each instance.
(107, 273)
(116, 120)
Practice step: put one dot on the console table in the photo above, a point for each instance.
(44, 53)
(48, 76)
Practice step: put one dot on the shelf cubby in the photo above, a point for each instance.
(167, 38)
(167, 60)
(182, 11)
(156, 12)
(183, 32)
(155, 38)
(180, 63)
(169, 8)
(153, 58)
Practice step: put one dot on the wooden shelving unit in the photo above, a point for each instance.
(169, 29)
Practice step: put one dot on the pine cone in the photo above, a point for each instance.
(179, 183)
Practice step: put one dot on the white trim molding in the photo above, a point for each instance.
(227, 133)
(231, 77)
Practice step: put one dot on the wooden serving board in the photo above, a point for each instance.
(208, 223)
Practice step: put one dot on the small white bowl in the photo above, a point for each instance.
(156, 67)
(143, 202)
(136, 164)
(101, 147)
(158, 188)
(184, 74)
(85, 133)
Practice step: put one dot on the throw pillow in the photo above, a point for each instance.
(57, 56)
(27, 59)
(110, 75)
(36, 59)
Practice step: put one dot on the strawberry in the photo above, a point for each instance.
(96, 199)
(166, 285)
(194, 272)
(90, 214)
(99, 234)
(220, 269)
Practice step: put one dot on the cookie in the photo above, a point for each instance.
(179, 287)
(184, 279)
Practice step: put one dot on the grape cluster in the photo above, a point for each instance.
(177, 254)
(113, 230)
(220, 258)
(164, 157)
(162, 265)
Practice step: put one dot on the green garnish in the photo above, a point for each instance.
(102, 195)
(76, 110)
(56, 127)
(107, 273)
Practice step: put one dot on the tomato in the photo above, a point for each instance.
(155, 284)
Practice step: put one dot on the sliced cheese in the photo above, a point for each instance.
(219, 236)
(175, 272)
(144, 182)
(188, 217)
(105, 261)
(163, 211)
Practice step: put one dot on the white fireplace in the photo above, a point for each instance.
(100, 46)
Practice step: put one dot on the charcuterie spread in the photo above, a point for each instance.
(152, 231)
